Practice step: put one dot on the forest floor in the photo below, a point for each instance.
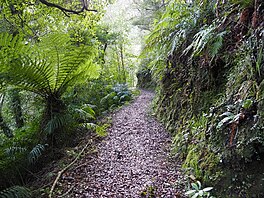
(132, 161)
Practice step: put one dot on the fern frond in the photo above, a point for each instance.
(47, 67)
(206, 39)
(16, 192)
(216, 44)
(35, 153)
(57, 122)
(200, 40)
(11, 151)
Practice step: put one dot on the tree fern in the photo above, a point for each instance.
(51, 65)
(15, 192)
(47, 68)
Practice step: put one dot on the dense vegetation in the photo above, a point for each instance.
(58, 74)
(207, 60)
(62, 67)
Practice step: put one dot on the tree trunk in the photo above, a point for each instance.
(52, 122)
(118, 67)
(16, 107)
(3, 125)
(123, 64)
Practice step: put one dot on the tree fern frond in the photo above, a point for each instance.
(46, 66)
(15, 192)
(35, 153)
(57, 122)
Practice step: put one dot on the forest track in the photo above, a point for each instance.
(132, 161)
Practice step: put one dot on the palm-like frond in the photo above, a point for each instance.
(47, 67)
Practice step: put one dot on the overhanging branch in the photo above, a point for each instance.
(66, 11)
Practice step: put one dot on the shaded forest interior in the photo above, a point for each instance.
(65, 65)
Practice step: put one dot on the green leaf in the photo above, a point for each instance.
(16, 191)
(35, 153)
(201, 192)
(207, 189)
(247, 103)
(190, 192)
(195, 195)
(195, 186)
(199, 184)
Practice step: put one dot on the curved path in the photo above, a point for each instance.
(132, 161)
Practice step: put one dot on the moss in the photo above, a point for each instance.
(192, 161)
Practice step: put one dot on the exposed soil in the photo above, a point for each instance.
(132, 161)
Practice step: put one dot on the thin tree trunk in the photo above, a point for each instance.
(123, 64)
(3, 125)
(103, 58)
(16, 107)
(118, 67)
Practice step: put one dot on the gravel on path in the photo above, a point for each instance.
(132, 161)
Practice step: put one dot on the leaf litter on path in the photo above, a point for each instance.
(132, 161)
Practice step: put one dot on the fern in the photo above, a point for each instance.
(169, 34)
(12, 151)
(200, 40)
(35, 153)
(46, 67)
(216, 44)
(15, 192)
(206, 40)
(57, 122)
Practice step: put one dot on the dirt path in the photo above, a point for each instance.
(132, 161)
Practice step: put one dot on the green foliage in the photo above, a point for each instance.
(15, 191)
(86, 112)
(202, 66)
(35, 153)
(206, 40)
(56, 122)
(54, 63)
(169, 34)
(50, 66)
(100, 130)
(119, 95)
(198, 191)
